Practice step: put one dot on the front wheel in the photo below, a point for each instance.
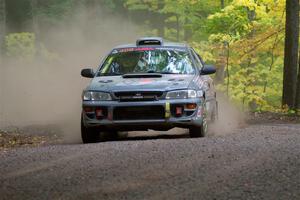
(110, 135)
(199, 131)
(89, 135)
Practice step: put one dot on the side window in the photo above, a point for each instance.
(197, 58)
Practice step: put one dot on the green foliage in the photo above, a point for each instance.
(232, 22)
(21, 45)
(254, 33)
(182, 19)
(54, 11)
(247, 36)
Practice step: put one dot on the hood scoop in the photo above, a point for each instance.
(176, 80)
(105, 81)
(148, 75)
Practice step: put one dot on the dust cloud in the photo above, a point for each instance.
(230, 117)
(48, 93)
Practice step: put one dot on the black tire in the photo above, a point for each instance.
(199, 131)
(110, 135)
(89, 135)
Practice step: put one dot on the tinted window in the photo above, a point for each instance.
(197, 59)
(148, 60)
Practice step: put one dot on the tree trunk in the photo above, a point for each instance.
(222, 4)
(220, 74)
(187, 28)
(187, 31)
(187, 34)
(35, 26)
(161, 20)
(290, 53)
(227, 69)
(272, 61)
(297, 103)
(2, 39)
(2, 27)
(177, 27)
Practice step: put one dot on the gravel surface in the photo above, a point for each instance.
(256, 162)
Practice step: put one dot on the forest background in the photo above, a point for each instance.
(244, 39)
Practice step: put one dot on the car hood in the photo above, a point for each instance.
(119, 83)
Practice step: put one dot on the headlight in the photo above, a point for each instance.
(96, 96)
(183, 94)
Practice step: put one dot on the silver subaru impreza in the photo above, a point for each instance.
(148, 85)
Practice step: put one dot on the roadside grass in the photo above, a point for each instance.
(15, 139)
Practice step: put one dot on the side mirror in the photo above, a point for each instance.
(88, 73)
(208, 69)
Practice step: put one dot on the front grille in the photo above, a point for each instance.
(138, 96)
(139, 113)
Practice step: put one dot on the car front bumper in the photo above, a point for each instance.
(190, 117)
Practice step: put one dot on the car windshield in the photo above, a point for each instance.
(147, 60)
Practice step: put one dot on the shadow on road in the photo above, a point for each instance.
(175, 133)
(145, 137)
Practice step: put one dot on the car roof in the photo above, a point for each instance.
(156, 39)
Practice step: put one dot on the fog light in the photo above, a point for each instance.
(178, 111)
(109, 116)
(191, 106)
(88, 109)
(99, 113)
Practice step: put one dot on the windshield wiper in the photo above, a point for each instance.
(152, 71)
(142, 75)
(168, 73)
(110, 74)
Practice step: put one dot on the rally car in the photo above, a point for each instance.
(148, 85)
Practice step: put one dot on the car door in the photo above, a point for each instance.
(206, 83)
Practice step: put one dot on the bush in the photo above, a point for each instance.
(21, 45)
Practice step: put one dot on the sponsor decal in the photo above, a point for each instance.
(136, 49)
(146, 80)
(122, 50)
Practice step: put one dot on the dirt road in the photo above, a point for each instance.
(256, 162)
